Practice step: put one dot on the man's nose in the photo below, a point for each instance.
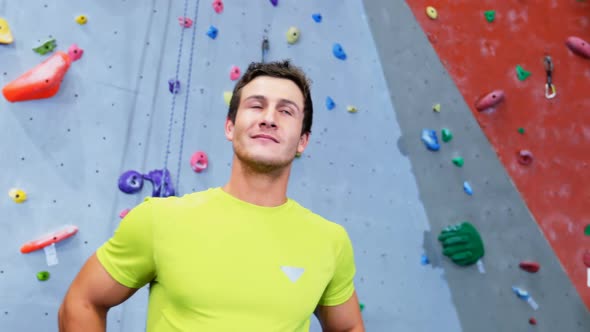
(268, 118)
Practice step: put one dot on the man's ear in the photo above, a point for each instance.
(303, 140)
(229, 129)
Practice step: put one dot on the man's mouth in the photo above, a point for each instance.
(268, 137)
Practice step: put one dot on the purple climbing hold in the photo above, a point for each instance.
(274, 2)
(338, 51)
(317, 17)
(174, 86)
(330, 104)
(130, 182)
(160, 180)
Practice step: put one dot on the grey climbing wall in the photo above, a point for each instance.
(112, 114)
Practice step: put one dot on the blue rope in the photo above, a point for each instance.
(188, 86)
(167, 152)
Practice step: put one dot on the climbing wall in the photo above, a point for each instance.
(367, 170)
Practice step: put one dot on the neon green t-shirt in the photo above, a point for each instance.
(216, 263)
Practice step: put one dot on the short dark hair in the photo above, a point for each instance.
(279, 69)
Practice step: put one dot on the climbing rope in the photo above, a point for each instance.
(173, 105)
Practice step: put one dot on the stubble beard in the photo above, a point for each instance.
(260, 166)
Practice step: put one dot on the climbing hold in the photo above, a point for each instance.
(274, 2)
(431, 12)
(424, 260)
(185, 22)
(458, 161)
(532, 321)
(48, 239)
(130, 182)
(160, 180)
(293, 35)
(42, 81)
(43, 276)
(490, 100)
(525, 296)
(338, 51)
(446, 135)
(430, 140)
(199, 161)
(123, 213)
(521, 73)
(361, 306)
(218, 6)
(75, 53)
(46, 47)
(521, 131)
(81, 19)
(317, 17)
(17, 195)
(330, 104)
(586, 258)
(227, 97)
(173, 86)
(351, 109)
(462, 243)
(578, 46)
(467, 188)
(490, 15)
(5, 34)
(436, 108)
(212, 32)
(531, 267)
(525, 157)
(587, 230)
(234, 73)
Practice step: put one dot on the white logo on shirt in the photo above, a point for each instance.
(294, 273)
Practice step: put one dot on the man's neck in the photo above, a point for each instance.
(263, 189)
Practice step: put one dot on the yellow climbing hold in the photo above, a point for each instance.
(293, 35)
(436, 108)
(17, 195)
(352, 109)
(81, 19)
(5, 34)
(431, 12)
(227, 97)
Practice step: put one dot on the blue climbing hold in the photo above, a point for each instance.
(338, 51)
(430, 140)
(467, 188)
(317, 17)
(212, 32)
(174, 86)
(424, 260)
(330, 104)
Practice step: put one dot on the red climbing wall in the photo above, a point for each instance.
(482, 57)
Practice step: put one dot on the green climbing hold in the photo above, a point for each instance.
(490, 15)
(462, 243)
(43, 276)
(521, 130)
(521, 73)
(46, 47)
(362, 306)
(458, 161)
(446, 135)
(587, 230)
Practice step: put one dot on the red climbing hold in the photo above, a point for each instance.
(586, 258)
(525, 157)
(532, 267)
(490, 100)
(532, 321)
(42, 81)
(218, 6)
(578, 46)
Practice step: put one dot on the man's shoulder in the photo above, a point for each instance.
(194, 199)
(318, 221)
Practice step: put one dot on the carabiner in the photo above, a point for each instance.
(550, 90)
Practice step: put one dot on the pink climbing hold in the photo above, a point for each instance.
(525, 157)
(199, 161)
(531, 267)
(274, 2)
(578, 46)
(123, 213)
(234, 73)
(586, 258)
(218, 6)
(490, 100)
(75, 53)
(185, 22)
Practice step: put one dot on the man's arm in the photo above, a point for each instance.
(92, 293)
(345, 317)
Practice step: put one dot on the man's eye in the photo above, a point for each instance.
(256, 106)
(286, 111)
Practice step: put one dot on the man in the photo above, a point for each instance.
(242, 257)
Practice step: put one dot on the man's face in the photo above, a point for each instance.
(267, 130)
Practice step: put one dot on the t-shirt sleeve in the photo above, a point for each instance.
(341, 287)
(128, 255)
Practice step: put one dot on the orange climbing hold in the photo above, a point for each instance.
(43, 81)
